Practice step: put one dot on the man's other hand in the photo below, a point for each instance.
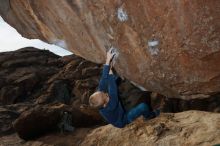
(110, 55)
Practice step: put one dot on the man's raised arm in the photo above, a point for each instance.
(103, 83)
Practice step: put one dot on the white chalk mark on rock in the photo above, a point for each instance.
(153, 47)
(122, 15)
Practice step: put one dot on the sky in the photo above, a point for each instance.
(11, 40)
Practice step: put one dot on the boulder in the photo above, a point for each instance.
(37, 121)
(184, 64)
(8, 114)
(42, 119)
(24, 72)
(6, 118)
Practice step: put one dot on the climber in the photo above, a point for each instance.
(106, 99)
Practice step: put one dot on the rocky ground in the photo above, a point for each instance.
(193, 128)
(186, 128)
(37, 86)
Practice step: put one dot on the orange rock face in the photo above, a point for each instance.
(185, 63)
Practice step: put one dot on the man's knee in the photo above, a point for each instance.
(137, 111)
(143, 107)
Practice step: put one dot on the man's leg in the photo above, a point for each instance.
(153, 114)
(140, 109)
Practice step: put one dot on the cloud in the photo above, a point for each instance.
(11, 40)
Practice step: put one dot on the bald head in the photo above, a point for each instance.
(97, 99)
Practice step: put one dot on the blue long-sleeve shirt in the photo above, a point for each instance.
(113, 112)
